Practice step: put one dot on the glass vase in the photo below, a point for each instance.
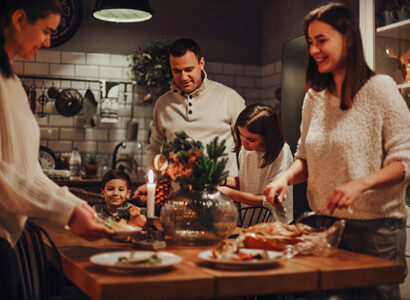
(199, 217)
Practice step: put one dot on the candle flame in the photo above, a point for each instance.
(150, 176)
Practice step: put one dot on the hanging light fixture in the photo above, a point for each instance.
(122, 11)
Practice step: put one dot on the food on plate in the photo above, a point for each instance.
(116, 226)
(151, 260)
(302, 238)
(230, 251)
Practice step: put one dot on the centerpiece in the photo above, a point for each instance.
(198, 214)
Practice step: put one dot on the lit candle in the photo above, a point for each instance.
(151, 195)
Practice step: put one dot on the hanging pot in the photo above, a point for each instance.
(69, 102)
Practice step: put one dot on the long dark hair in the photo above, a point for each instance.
(341, 18)
(261, 119)
(34, 9)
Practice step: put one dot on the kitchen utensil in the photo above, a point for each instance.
(69, 102)
(42, 100)
(33, 97)
(53, 92)
(90, 109)
(305, 215)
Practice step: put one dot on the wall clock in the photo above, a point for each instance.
(69, 23)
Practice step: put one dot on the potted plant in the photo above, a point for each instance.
(91, 166)
(150, 68)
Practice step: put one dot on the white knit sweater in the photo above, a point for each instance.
(24, 189)
(343, 145)
(209, 111)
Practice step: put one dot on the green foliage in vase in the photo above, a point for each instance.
(190, 166)
(150, 66)
(92, 159)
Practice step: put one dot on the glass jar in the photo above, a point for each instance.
(199, 218)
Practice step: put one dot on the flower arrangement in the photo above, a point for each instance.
(190, 166)
(150, 66)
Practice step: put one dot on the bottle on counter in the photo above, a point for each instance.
(75, 165)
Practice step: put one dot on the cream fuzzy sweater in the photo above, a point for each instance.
(24, 189)
(343, 145)
(209, 111)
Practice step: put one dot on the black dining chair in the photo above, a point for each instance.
(251, 215)
(41, 279)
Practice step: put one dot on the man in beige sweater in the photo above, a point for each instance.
(201, 107)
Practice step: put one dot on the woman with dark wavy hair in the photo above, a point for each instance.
(354, 149)
(25, 27)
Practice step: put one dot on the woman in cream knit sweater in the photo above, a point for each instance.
(354, 148)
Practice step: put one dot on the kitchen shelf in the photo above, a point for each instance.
(398, 30)
(73, 79)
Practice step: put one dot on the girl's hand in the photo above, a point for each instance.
(277, 188)
(224, 190)
(344, 195)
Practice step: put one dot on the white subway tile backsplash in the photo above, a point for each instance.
(97, 59)
(225, 79)
(48, 56)
(86, 71)
(50, 107)
(72, 134)
(250, 70)
(86, 146)
(119, 61)
(50, 133)
(58, 120)
(36, 68)
(213, 68)
(61, 70)
(62, 146)
(111, 72)
(268, 69)
(242, 81)
(253, 94)
(42, 121)
(106, 147)
(271, 80)
(94, 134)
(278, 67)
(117, 135)
(143, 110)
(232, 69)
(268, 92)
(73, 57)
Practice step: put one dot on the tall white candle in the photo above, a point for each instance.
(151, 195)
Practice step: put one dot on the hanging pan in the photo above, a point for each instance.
(69, 102)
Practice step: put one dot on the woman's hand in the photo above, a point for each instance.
(82, 224)
(343, 196)
(276, 189)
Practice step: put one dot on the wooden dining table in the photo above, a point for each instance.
(194, 278)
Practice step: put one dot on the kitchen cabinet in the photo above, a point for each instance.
(385, 27)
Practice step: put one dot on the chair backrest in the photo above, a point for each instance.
(91, 197)
(33, 262)
(251, 215)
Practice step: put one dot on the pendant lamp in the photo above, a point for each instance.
(122, 11)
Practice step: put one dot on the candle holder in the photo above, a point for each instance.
(155, 237)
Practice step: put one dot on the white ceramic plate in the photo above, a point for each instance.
(273, 258)
(110, 259)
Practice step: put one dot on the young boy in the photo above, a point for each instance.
(115, 191)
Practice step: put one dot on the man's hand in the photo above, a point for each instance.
(141, 192)
(82, 224)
